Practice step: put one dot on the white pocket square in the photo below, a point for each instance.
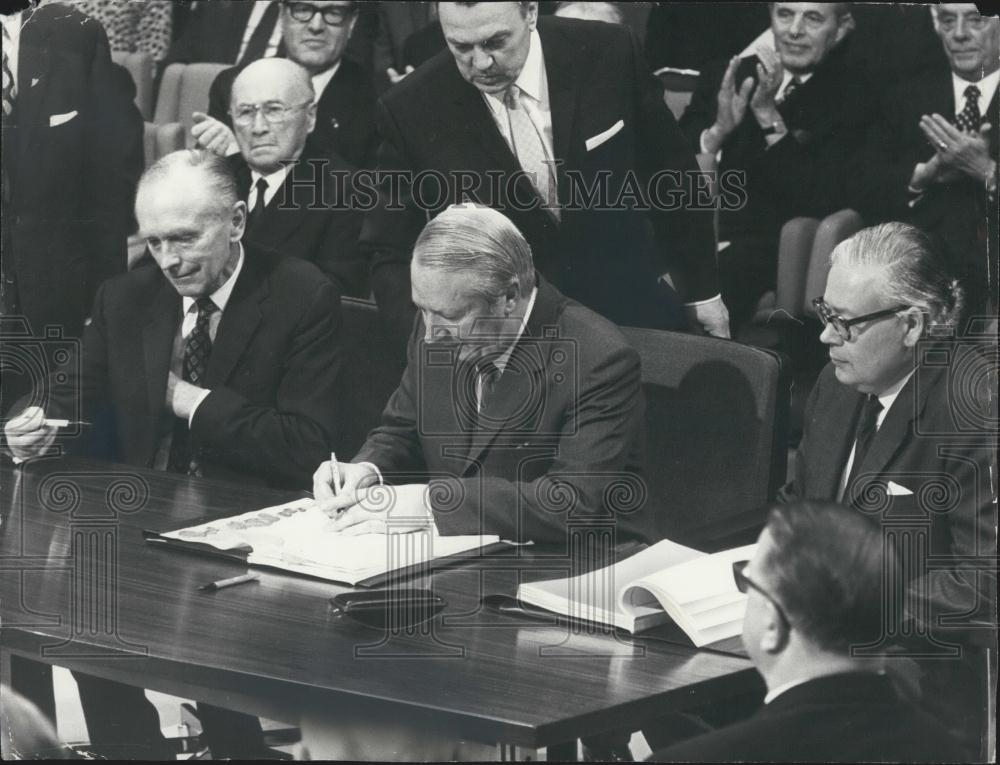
(61, 119)
(896, 490)
(34, 81)
(597, 140)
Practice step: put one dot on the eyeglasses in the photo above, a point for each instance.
(744, 583)
(843, 326)
(274, 113)
(333, 17)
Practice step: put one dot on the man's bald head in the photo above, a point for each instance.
(273, 111)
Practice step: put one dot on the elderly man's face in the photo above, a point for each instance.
(314, 43)
(190, 235)
(490, 41)
(453, 313)
(272, 117)
(805, 33)
(971, 41)
(876, 356)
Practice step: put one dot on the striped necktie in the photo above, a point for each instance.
(529, 148)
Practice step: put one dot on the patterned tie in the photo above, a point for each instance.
(970, 118)
(791, 87)
(8, 87)
(530, 150)
(197, 349)
(258, 203)
(864, 436)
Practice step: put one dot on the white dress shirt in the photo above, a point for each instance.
(274, 182)
(12, 23)
(987, 87)
(321, 80)
(259, 9)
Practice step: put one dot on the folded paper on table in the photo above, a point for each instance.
(298, 537)
(661, 583)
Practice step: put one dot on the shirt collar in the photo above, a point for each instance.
(502, 360)
(274, 180)
(987, 87)
(531, 81)
(786, 77)
(887, 397)
(221, 296)
(321, 80)
(12, 23)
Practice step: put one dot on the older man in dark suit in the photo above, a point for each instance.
(900, 422)
(558, 124)
(298, 205)
(816, 590)
(932, 157)
(315, 36)
(220, 363)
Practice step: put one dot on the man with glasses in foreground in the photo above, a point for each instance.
(315, 36)
(900, 426)
(815, 591)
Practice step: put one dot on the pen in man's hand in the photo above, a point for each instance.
(335, 468)
(211, 586)
(51, 423)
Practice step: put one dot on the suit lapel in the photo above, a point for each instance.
(239, 320)
(33, 64)
(275, 225)
(472, 109)
(158, 333)
(563, 87)
(835, 438)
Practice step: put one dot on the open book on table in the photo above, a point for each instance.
(661, 583)
(298, 537)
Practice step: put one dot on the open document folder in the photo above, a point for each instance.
(298, 537)
(661, 583)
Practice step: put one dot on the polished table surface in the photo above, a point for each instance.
(80, 588)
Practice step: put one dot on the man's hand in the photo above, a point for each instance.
(213, 135)
(387, 510)
(183, 396)
(712, 316)
(732, 107)
(353, 477)
(965, 152)
(932, 171)
(27, 434)
(769, 75)
(395, 76)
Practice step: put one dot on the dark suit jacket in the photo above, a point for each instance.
(605, 258)
(270, 417)
(345, 114)
(71, 163)
(213, 33)
(959, 213)
(800, 174)
(838, 718)
(926, 443)
(558, 432)
(310, 217)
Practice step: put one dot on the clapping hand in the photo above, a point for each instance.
(957, 151)
(769, 75)
(732, 106)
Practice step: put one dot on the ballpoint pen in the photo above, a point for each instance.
(335, 467)
(229, 582)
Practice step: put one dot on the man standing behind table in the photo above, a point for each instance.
(558, 124)
(932, 157)
(518, 403)
(221, 362)
(903, 413)
(298, 204)
(815, 590)
(315, 36)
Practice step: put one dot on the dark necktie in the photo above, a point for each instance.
(791, 87)
(258, 204)
(970, 118)
(197, 350)
(489, 376)
(864, 435)
(257, 45)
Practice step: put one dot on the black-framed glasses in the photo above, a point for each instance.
(843, 326)
(744, 583)
(335, 16)
(273, 112)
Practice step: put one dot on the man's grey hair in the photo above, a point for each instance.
(216, 170)
(915, 273)
(471, 238)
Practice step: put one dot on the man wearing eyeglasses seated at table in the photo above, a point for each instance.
(815, 590)
(315, 36)
(898, 427)
(299, 204)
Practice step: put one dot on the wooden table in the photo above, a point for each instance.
(80, 588)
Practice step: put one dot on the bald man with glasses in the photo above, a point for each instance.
(901, 426)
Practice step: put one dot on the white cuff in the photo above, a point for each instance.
(706, 301)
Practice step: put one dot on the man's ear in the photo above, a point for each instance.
(532, 16)
(511, 295)
(311, 117)
(774, 636)
(845, 25)
(915, 323)
(238, 221)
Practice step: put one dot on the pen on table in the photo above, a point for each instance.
(51, 423)
(229, 582)
(335, 467)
